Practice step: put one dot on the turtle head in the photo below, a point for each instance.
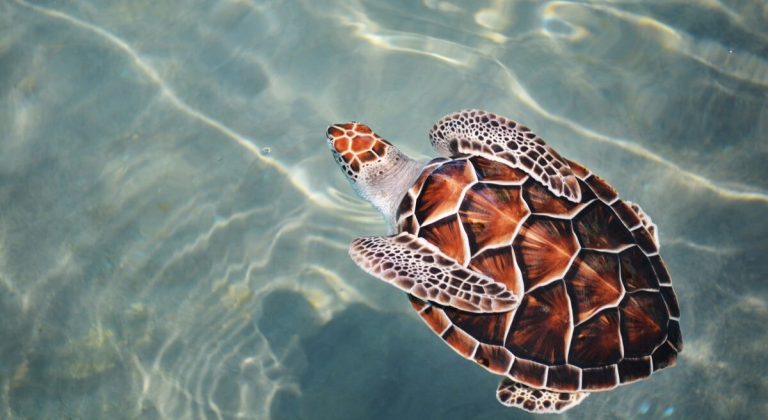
(358, 150)
(379, 171)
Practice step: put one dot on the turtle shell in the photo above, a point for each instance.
(597, 307)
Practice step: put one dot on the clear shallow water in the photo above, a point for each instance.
(173, 230)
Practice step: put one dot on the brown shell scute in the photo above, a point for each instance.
(593, 282)
(446, 235)
(664, 356)
(528, 372)
(674, 336)
(544, 249)
(598, 227)
(645, 240)
(636, 270)
(564, 377)
(597, 342)
(631, 370)
(597, 308)
(671, 300)
(580, 171)
(542, 325)
(491, 214)
(436, 319)
(661, 270)
(487, 328)
(488, 170)
(598, 378)
(442, 191)
(626, 214)
(643, 323)
(494, 358)
(462, 342)
(499, 264)
(602, 190)
(541, 200)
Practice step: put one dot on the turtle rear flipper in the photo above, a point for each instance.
(515, 394)
(417, 267)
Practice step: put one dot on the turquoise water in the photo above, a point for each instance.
(173, 229)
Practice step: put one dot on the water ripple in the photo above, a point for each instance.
(178, 103)
(198, 280)
(462, 55)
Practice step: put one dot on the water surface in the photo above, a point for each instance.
(173, 230)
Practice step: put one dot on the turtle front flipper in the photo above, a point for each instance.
(478, 132)
(417, 267)
(515, 394)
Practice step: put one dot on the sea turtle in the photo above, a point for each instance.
(521, 260)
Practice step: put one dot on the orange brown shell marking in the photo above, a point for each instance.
(437, 320)
(597, 306)
(636, 270)
(564, 377)
(494, 358)
(542, 325)
(462, 342)
(580, 171)
(540, 200)
(544, 249)
(644, 323)
(528, 372)
(446, 234)
(489, 171)
(602, 189)
(488, 328)
(598, 227)
(491, 215)
(442, 191)
(499, 264)
(596, 342)
(593, 282)
(406, 220)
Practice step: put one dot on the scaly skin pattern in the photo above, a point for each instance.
(356, 145)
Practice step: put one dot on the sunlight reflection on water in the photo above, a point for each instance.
(173, 231)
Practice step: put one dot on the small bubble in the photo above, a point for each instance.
(266, 151)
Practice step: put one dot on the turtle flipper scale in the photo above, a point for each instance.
(515, 394)
(482, 133)
(417, 267)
